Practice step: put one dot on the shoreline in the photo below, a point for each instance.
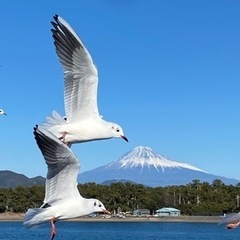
(7, 217)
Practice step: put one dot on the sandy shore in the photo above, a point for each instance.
(11, 216)
(209, 219)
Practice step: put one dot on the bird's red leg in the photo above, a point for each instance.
(63, 137)
(53, 220)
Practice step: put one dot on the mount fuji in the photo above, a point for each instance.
(141, 165)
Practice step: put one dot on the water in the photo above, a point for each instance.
(120, 231)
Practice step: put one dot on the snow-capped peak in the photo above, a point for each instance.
(145, 157)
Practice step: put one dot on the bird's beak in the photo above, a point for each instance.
(123, 137)
(106, 212)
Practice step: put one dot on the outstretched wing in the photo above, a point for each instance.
(63, 167)
(230, 218)
(80, 74)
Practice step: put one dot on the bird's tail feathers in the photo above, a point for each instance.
(55, 119)
(53, 122)
(33, 219)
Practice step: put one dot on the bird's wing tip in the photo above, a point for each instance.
(55, 17)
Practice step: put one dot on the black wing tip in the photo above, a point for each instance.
(55, 17)
(38, 134)
(35, 130)
(55, 24)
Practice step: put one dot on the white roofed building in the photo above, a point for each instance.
(162, 212)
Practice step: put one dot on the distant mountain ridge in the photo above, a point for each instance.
(12, 179)
(141, 165)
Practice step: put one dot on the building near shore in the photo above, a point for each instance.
(162, 212)
(141, 212)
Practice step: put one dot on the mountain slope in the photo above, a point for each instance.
(12, 179)
(143, 166)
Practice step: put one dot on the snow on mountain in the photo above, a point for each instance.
(145, 157)
(141, 165)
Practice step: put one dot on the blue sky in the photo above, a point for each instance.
(169, 74)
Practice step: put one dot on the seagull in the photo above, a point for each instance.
(83, 122)
(2, 112)
(232, 220)
(62, 198)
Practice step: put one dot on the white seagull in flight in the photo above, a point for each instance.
(231, 220)
(62, 198)
(83, 122)
(2, 112)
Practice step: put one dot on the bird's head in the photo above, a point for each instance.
(99, 207)
(2, 112)
(117, 131)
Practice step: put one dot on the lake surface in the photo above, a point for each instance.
(120, 231)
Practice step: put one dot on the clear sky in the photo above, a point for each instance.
(169, 74)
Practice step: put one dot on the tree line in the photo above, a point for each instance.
(195, 198)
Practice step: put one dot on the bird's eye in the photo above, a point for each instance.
(95, 204)
(118, 130)
(100, 205)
